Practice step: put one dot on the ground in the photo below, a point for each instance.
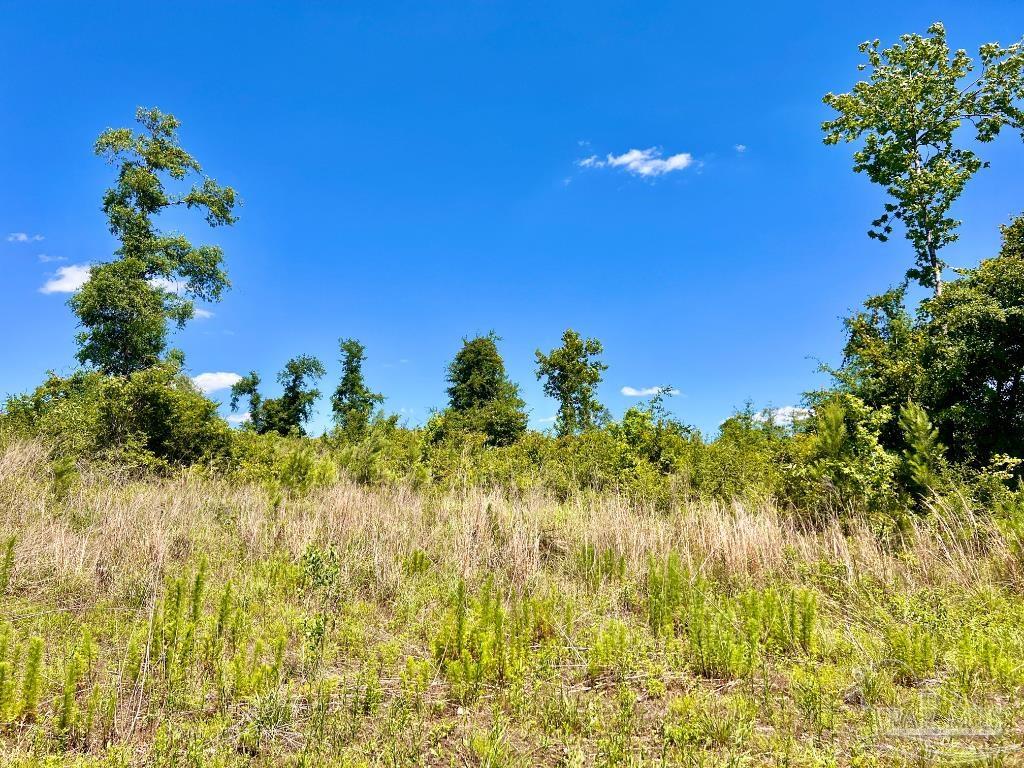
(191, 621)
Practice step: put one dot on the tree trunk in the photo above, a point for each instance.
(933, 257)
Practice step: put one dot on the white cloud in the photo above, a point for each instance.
(23, 237)
(171, 286)
(215, 381)
(741, 148)
(784, 416)
(647, 163)
(203, 314)
(46, 258)
(548, 420)
(647, 391)
(240, 418)
(67, 280)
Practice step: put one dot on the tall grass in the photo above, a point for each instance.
(389, 624)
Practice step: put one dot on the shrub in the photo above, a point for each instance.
(151, 418)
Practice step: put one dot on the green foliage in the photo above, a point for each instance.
(353, 402)
(960, 358)
(745, 460)
(923, 458)
(151, 418)
(571, 374)
(908, 113)
(839, 464)
(974, 357)
(126, 304)
(7, 563)
(913, 652)
(286, 414)
(481, 398)
(696, 720)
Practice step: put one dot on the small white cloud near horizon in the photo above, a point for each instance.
(741, 148)
(647, 391)
(67, 280)
(783, 416)
(240, 418)
(215, 381)
(646, 163)
(23, 237)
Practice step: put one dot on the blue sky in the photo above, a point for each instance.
(412, 173)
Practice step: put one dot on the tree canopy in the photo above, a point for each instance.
(125, 306)
(571, 374)
(481, 398)
(287, 414)
(353, 402)
(909, 113)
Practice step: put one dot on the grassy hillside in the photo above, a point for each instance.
(194, 622)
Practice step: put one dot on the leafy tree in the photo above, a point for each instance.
(481, 396)
(353, 402)
(571, 375)
(882, 359)
(126, 304)
(961, 358)
(286, 414)
(153, 418)
(908, 113)
(974, 356)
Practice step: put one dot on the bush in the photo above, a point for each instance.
(153, 418)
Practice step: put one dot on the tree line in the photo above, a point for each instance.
(922, 392)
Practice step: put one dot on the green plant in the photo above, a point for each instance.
(7, 563)
(913, 652)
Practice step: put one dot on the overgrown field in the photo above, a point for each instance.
(194, 622)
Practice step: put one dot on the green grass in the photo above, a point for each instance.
(194, 623)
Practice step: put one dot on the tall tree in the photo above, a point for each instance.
(908, 113)
(288, 413)
(481, 396)
(572, 373)
(125, 306)
(961, 357)
(353, 402)
(974, 356)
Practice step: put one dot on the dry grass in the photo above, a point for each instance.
(114, 545)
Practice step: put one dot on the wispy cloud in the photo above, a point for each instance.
(547, 420)
(203, 314)
(741, 148)
(45, 258)
(647, 163)
(67, 280)
(23, 237)
(171, 286)
(240, 418)
(784, 416)
(215, 381)
(647, 391)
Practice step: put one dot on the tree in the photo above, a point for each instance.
(481, 396)
(286, 414)
(909, 113)
(571, 375)
(961, 358)
(882, 359)
(974, 356)
(353, 402)
(126, 304)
